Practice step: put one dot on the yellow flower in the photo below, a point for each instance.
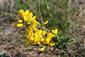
(55, 31)
(51, 44)
(20, 21)
(35, 22)
(19, 25)
(21, 12)
(44, 33)
(30, 14)
(49, 38)
(39, 32)
(36, 35)
(34, 17)
(46, 22)
(42, 49)
(31, 38)
(27, 12)
(35, 29)
(26, 15)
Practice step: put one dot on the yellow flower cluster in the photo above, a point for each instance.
(35, 35)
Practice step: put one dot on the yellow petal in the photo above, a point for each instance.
(44, 32)
(21, 12)
(19, 25)
(27, 12)
(49, 38)
(34, 17)
(39, 32)
(46, 22)
(25, 18)
(31, 14)
(55, 31)
(20, 21)
(38, 43)
(42, 49)
(28, 23)
(51, 44)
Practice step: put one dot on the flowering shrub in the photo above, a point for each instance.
(35, 34)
